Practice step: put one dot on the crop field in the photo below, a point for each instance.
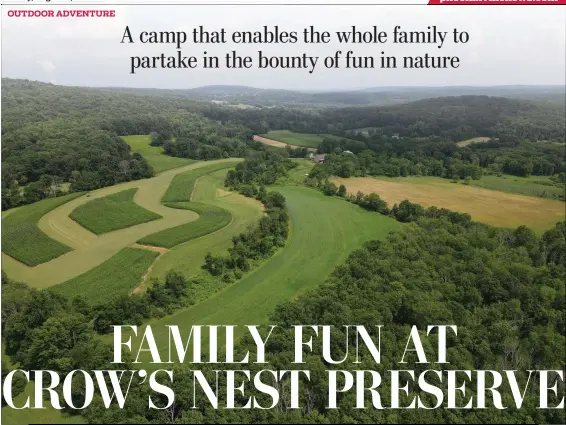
(154, 154)
(112, 212)
(485, 205)
(182, 186)
(324, 230)
(297, 139)
(211, 218)
(117, 276)
(188, 258)
(89, 250)
(23, 240)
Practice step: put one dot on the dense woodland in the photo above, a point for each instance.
(435, 157)
(55, 134)
(504, 288)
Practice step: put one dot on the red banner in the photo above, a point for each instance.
(499, 2)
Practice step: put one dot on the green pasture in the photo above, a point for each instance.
(297, 139)
(182, 185)
(324, 230)
(540, 186)
(24, 241)
(117, 276)
(112, 212)
(154, 154)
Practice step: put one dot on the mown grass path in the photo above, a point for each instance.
(324, 231)
(90, 250)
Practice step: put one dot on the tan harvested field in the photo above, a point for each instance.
(277, 144)
(472, 140)
(485, 205)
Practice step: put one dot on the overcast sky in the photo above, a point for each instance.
(508, 45)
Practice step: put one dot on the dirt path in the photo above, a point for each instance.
(161, 252)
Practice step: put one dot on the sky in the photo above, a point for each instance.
(507, 46)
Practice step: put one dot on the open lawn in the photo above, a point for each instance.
(90, 250)
(117, 276)
(296, 139)
(488, 206)
(112, 212)
(23, 240)
(154, 154)
(324, 230)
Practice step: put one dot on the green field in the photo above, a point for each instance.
(297, 139)
(48, 415)
(182, 186)
(154, 154)
(540, 186)
(211, 218)
(117, 276)
(188, 258)
(112, 212)
(23, 240)
(178, 195)
(324, 230)
(90, 250)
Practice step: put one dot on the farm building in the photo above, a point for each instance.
(319, 158)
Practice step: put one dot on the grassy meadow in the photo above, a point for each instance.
(489, 206)
(24, 241)
(540, 186)
(297, 139)
(119, 275)
(112, 212)
(324, 230)
(154, 154)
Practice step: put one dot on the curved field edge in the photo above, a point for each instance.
(211, 218)
(178, 195)
(182, 186)
(323, 232)
(113, 212)
(90, 250)
(187, 258)
(24, 241)
(155, 155)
